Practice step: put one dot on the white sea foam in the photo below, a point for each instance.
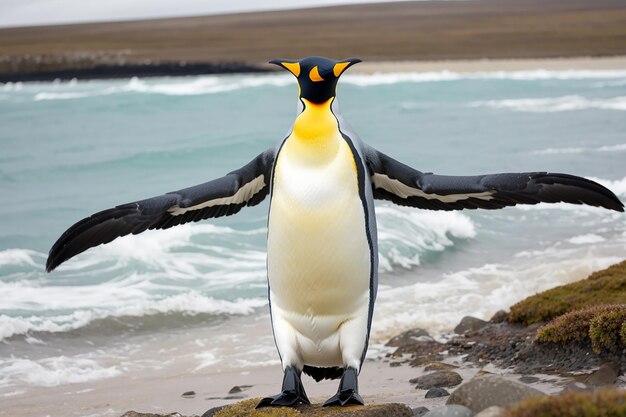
(53, 371)
(620, 147)
(478, 292)
(123, 305)
(405, 234)
(198, 85)
(586, 239)
(555, 104)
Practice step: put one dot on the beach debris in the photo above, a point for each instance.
(437, 379)
(436, 392)
(450, 411)
(486, 391)
(469, 323)
(188, 394)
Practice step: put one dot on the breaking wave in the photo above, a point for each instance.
(555, 104)
(199, 85)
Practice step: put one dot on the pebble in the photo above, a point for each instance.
(528, 379)
(420, 411)
(436, 392)
(188, 394)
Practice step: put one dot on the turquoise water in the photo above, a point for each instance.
(71, 149)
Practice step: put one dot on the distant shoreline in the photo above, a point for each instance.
(409, 31)
(372, 67)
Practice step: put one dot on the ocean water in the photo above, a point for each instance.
(197, 292)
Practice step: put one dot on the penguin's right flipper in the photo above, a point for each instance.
(405, 186)
(292, 392)
(246, 186)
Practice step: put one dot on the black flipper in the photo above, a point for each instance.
(348, 392)
(292, 392)
(405, 186)
(246, 186)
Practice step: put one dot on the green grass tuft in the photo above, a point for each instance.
(601, 403)
(601, 325)
(604, 330)
(603, 287)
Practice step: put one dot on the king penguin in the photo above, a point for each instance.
(322, 252)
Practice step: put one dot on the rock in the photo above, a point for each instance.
(499, 317)
(528, 379)
(239, 388)
(246, 409)
(420, 411)
(576, 387)
(439, 366)
(407, 338)
(469, 323)
(188, 394)
(437, 379)
(136, 414)
(436, 392)
(424, 359)
(489, 390)
(450, 411)
(493, 411)
(606, 375)
(395, 364)
(212, 411)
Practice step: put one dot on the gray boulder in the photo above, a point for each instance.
(489, 390)
(436, 392)
(450, 411)
(420, 411)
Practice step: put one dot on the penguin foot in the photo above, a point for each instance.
(284, 399)
(292, 393)
(343, 398)
(348, 392)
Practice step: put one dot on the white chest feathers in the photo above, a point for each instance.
(318, 253)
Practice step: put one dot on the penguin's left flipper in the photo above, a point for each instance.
(246, 186)
(405, 186)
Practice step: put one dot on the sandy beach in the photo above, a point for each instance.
(493, 65)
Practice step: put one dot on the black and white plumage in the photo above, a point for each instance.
(322, 242)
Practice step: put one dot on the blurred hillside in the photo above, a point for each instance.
(422, 30)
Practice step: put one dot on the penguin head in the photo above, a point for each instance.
(317, 76)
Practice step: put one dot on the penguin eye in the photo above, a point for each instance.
(314, 75)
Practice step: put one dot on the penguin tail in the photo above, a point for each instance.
(319, 374)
